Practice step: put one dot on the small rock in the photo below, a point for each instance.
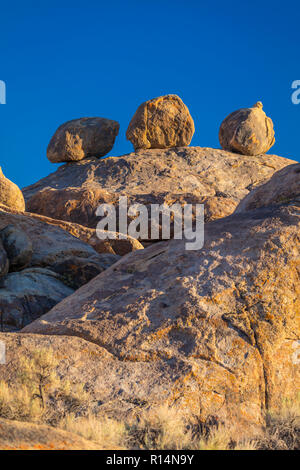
(247, 131)
(17, 246)
(82, 138)
(118, 246)
(10, 195)
(161, 123)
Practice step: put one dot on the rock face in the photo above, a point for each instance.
(10, 195)
(118, 387)
(247, 131)
(161, 123)
(218, 325)
(282, 188)
(17, 246)
(59, 263)
(26, 295)
(4, 263)
(28, 436)
(114, 245)
(216, 178)
(82, 138)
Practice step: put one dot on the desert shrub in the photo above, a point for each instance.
(38, 394)
(16, 403)
(38, 374)
(160, 428)
(282, 428)
(166, 428)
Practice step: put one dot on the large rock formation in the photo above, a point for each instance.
(282, 188)
(63, 261)
(82, 138)
(247, 131)
(10, 195)
(161, 123)
(213, 330)
(216, 178)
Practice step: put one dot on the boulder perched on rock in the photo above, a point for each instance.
(10, 195)
(216, 178)
(161, 123)
(82, 138)
(17, 246)
(282, 188)
(247, 131)
(217, 325)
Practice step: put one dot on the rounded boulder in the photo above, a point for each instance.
(82, 138)
(10, 195)
(161, 123)
(248, 131)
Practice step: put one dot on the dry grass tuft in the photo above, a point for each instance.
(108, 433)
(283, 428)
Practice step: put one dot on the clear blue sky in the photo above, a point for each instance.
(69, 59)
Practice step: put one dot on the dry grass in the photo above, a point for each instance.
(108, 433)
(17, 404)
(40, 396)
(283, 428)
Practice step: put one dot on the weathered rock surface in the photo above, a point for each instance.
(75, 272)
(216, 178)
(220, 323)
(119, 388)
(161, 123)
(10, 195)
(116, 245)
(4, 263)
(282, 188)
(82, 138)
(69, 263)
(26, 295)
(16, 435)
(247, 131)
(17, 246)
(50, 243)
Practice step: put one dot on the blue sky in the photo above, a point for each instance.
(69, 59)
